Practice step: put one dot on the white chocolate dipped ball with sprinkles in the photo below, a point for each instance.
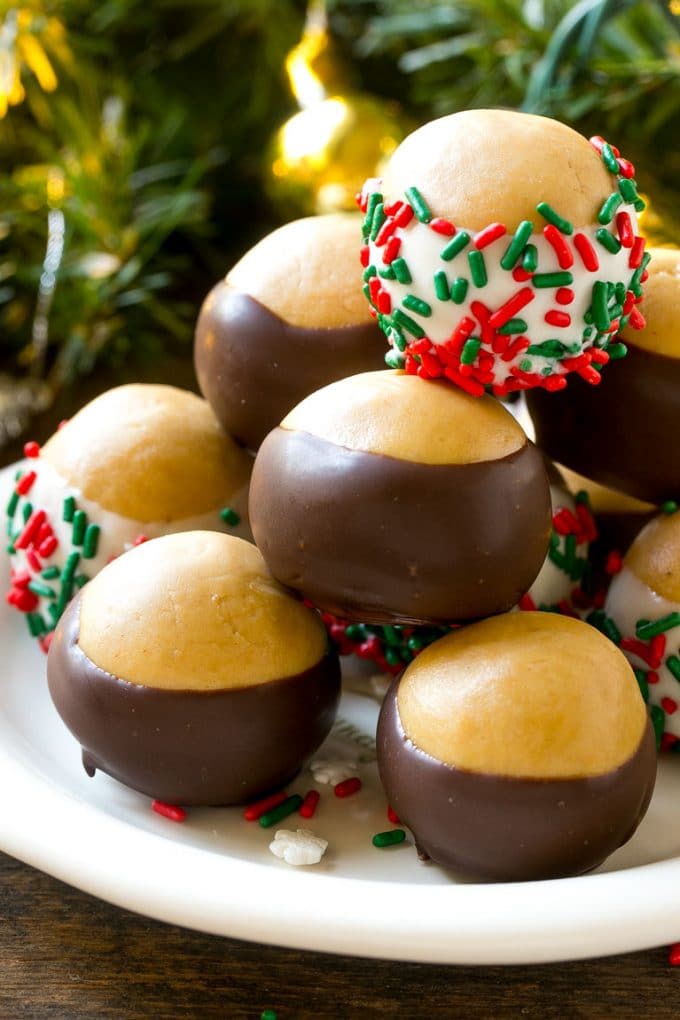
(643, 604)
(501, 250)
(138, 462)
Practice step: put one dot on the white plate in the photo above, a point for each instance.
(215, 873)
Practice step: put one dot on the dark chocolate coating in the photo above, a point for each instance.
(622, 432)
(378, 539)
(253, 367)
(190, 747)
(505, 828)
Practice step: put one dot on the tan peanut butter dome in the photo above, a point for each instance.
(654, 556)
(661, 334)
(308, 272)
(196, 611)
(531, 695)
(150, 453)
(483, 166)
(408, 418)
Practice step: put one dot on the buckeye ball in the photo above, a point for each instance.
(621, 433)
(186, 672)
(388, 498)
(518, 748)
(289, 318)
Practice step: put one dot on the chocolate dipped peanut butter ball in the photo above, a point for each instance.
(137, 462)
(622, 433)
(387, 499)
(518, 748)
(289, 318)
(644, 604)
(186, 672)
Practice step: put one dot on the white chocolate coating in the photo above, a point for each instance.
(661, 335)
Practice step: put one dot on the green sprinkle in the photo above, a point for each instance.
(459, 289)
(43, 590)
(13, 504)
(69, 508)
(70, 567)
(80, 580)
(477, 268)
(669, 507)
(393, 359)
(401, 271)
(10, 549)
(356, 632)
(548, 349)
(641, 678)
(646, 630)
(368, 272)
(36, 624)
(392, 656)
(639, 204)
(455, 246)
(525, 365)
(420, 206)
(673, 664)
(49, 573)
(609, 207)
(281, 811)
(415, 644)
(607, 240)
(91, 541)
(27, 511)
(530, 259)
(378, 220)
(514, 326)
(600, 307)
(388, 272)
(658, 722)
(628, 189)
(646, 259)
(397, 337)
(415, 304)
(599, 619)
(230, 516)
(549, 214)
(441, 286)
(616, 351)
(268, 1014)
(407, 323)
(54, 612)
(390, 838)
(374, 199)
(562, 279)
(79, 527)
(514, 249)
(609, 159)
(391, 635)
(470, 350)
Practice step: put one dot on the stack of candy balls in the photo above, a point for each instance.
(359, 482)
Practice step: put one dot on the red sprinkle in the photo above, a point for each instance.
(347, 787)
(384, 303)
(392, 816)
(527, 603)
(511, 307)
(385, 232)
(643, 651)
(404, 216)
(488, 235)
(30, 531)
(470, 386)
(171, 811)
(308, 806)
(626, 167)
(624, 227)
(45, 641)
(637, 319)
(442, 226)
(33, 561)
(25, 483)
(557, 318)
(391, 250)
(31, 449)
(669, 705)
(557, 242)
(364, 255)
(652, 676)
(636, 252)
(586, 252)
(260, 807)
(521, 275)
(515, 348)
(614, 564)
(564, 295)
(140, 540)
(668, 741)
(46, 548)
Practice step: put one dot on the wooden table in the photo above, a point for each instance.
(65, 956)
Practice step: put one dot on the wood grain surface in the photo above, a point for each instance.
(67, 956)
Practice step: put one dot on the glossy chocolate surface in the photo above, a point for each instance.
(622, 432)
(378, 539)
(502, 828)
(253, 367)
(190, 747)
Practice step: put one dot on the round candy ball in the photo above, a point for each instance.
(502, 251)
(518, 748)
(644, 603)
(289, 318)
(384, 498)
(621, 433)
(137, 462)
(186, 672)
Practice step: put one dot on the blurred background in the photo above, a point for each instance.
(146, 144)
